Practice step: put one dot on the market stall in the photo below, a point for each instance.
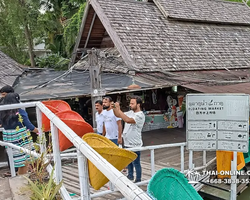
(163, 108)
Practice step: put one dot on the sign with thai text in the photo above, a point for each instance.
(218, 122)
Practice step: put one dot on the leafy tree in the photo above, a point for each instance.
(65, 15)
(21, 19)
(54, 61)
(72, 28)
(241, 1)
(22, 24)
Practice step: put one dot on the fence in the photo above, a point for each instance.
(84, 152)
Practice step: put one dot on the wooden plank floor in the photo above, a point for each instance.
(168, 157)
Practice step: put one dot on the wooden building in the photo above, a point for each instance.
(195, 45)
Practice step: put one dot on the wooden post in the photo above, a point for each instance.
(95, 77)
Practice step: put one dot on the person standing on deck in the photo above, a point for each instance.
(99, 117)
(4, 91)
(17, 127)
(134, 121)
(112, 128)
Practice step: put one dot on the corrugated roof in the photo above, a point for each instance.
(38, 84)
(9, 70)
(33, 85)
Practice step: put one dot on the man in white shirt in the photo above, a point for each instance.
(112, 124)
(134, 121)
(99, 116)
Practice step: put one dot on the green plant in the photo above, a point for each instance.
(54, 61)
(72, 29)
(45, 191)
(38, 171)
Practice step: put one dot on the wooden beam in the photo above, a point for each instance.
(114, 36)
(90, 30)
(84, 18)
(161, 8)
(95, 77)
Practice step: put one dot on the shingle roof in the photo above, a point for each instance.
(207, 10)
(151, 42)
(9, 70)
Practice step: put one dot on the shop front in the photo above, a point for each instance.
(163, 108)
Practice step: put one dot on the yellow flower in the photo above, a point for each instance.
(20, 119)
(23, 137)
(17, 128)
(28, 133)
(37, 148)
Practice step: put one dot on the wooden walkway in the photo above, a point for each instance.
(168, 157)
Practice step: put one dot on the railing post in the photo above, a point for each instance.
(111, 186)
(56, 153)
(204, 159)
(234, 177)
(42, 134)
(11, 161)
(182, 159)
(152, 156)
(190, 165)
(83, 176)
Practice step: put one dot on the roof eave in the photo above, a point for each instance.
(78, 39)
(113, 35)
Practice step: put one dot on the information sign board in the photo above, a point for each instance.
(218, 122)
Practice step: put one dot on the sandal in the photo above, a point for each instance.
(7, 174)
(124, 170)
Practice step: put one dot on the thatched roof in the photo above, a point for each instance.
(9, 70)
(169, 35)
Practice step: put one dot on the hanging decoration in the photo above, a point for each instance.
(154, 96)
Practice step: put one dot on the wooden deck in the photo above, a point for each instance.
(168, 157)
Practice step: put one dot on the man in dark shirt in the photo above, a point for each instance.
(5, 90)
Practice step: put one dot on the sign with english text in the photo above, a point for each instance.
(217, 122)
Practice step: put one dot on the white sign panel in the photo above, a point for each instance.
(98, 92)
(232, 135)
(202, 145)
(233, 146)
(217, 107)
(202, 125)
(233, 125)
(194, 135)
(218, 121)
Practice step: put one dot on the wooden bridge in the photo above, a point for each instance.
(164, 158)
